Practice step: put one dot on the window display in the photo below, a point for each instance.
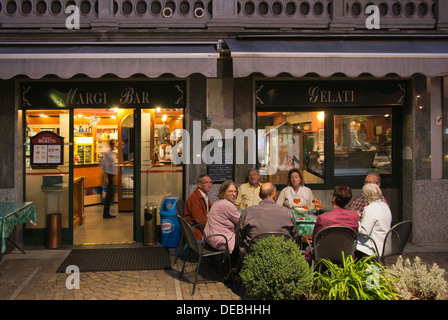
(291, 140)
(362, 144)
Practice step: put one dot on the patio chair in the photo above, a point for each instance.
(396, 239)
(194, 224)
(260, 236)
(203, 250)
(375, 247)
(180, 206)
(330, 242)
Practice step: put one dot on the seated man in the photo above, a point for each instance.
(198, 205)
(248, 193)
(265, 217)
(360, 202)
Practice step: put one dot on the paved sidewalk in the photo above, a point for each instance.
(32, 276)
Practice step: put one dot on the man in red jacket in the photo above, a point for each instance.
(198, 205)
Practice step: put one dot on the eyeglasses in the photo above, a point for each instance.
(232, 191)
(206, 182)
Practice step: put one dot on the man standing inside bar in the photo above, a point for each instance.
(109, 172)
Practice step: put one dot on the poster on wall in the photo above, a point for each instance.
(47, 149)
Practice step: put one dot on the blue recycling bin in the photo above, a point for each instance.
(169, 223)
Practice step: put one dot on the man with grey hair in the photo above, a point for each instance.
(360, 202)
(198, 204)
(265, 217)
(248, 193)
(375, 221)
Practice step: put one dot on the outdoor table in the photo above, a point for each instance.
(305, 223)
(12, 214)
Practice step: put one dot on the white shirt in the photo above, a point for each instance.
(109, 163)
(304, 193)
(206, 199)
(375, 222)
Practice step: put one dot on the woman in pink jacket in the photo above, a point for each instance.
(223, 217)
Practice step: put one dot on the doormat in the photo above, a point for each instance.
(117, 259)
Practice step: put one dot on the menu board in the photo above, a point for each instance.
(223, 170)
(47, 149)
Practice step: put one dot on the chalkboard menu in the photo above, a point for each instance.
(47, 149)
(220, 163)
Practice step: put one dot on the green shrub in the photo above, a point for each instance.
(276, 270)
(363, 279)
(416, 282)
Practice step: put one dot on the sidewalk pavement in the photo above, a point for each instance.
(32, 276)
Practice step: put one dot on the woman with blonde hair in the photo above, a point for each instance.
(375, 221)
(223, 217)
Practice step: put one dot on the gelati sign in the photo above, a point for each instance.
(285, 93)
(103, 94)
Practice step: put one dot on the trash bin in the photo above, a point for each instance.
(54, 229)
(104, 194)
(150, 231)
(169, 223)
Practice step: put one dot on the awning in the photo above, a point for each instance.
(328, 57)
(95, 60)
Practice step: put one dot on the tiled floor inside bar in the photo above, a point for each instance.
(96, 230)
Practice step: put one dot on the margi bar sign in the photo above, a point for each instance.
(47, 149)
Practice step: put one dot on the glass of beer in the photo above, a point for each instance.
(296, 201)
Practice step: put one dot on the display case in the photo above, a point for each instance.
(126, 188)
(83, 150)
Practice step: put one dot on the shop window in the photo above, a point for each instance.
(362, 144)
(289, 140)
(47, 185)
(161, 131)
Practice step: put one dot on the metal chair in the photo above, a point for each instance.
(180, 206)
(194, 224)
(376, 254)
(330, 242)
(202, 250)
(395, 239)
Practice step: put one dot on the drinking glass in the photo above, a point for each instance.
(296, 200)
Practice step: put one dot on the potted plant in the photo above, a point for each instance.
(362, 279)
(276, 270)
(417, 282)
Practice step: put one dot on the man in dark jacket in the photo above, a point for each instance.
(265, 217)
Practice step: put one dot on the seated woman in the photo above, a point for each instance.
(295, 194)
(223, 217)
(375, 221)
(338, 216)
